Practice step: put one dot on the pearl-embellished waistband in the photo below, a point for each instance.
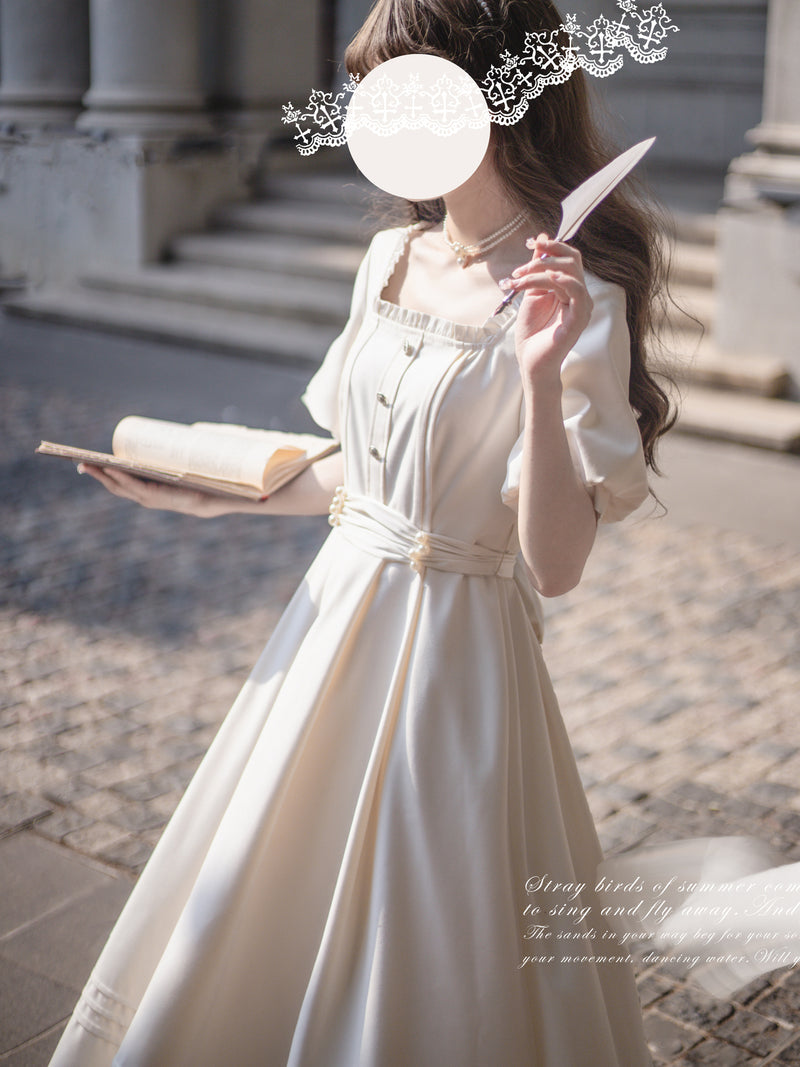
(384, 532)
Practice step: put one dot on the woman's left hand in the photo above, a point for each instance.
(555, 309)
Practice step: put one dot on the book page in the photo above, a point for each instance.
(290, 453)
(224, 456)
(158, 473)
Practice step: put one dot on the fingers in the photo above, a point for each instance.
(562, 285)
(551, 255)
(120, 483)
(544, 246)
(156, 495)
(111, 478)
(553, 264)
(567, 289)
(100, 474)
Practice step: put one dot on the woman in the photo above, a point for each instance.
(369, 864)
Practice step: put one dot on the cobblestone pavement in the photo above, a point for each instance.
(126, 634)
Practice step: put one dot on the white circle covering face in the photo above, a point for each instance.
(417, 126)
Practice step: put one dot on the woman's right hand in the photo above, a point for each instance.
(157, 495)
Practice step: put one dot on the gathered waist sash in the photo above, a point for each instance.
(380, 530)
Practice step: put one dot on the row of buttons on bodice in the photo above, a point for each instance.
(381, 425)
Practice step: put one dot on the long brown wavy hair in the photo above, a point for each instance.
(540, 159)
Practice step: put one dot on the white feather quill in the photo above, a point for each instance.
(582, 201)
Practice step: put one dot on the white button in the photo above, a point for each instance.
(374, 452)
(408, 348)
(383, 399)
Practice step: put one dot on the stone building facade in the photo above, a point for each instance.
(124, 122)
(759, 283)
(104, 158)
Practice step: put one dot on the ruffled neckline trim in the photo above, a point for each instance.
(424, 321)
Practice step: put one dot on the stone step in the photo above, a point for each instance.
(693, 264)
(690, 300)
(340, 217)
(242, 333)
(694, 228)
(326, 258)
(297, 257)
(234, 289)
(755, 420)
(331, 189)
(316, 221)
(285, 160)
(304, 208)
(751, 420)
(705, 365)
(264, 293)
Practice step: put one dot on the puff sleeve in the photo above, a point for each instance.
(602, 433)
(321, 396)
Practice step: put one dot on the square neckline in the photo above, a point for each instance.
(426, 321)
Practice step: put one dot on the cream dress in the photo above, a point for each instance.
(344, 881)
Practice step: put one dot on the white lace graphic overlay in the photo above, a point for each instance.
(386, 106)
(549, 57)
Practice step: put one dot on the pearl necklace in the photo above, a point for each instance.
(464, 253)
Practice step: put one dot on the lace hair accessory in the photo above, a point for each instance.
(549, 58)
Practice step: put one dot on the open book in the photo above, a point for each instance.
(217, 457)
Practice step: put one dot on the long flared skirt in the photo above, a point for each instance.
(346, 880)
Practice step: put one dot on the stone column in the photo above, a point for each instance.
(260, 54)
(779, 130)
(145, 68)
(759, 283)
(44, 60)
(350, 14)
